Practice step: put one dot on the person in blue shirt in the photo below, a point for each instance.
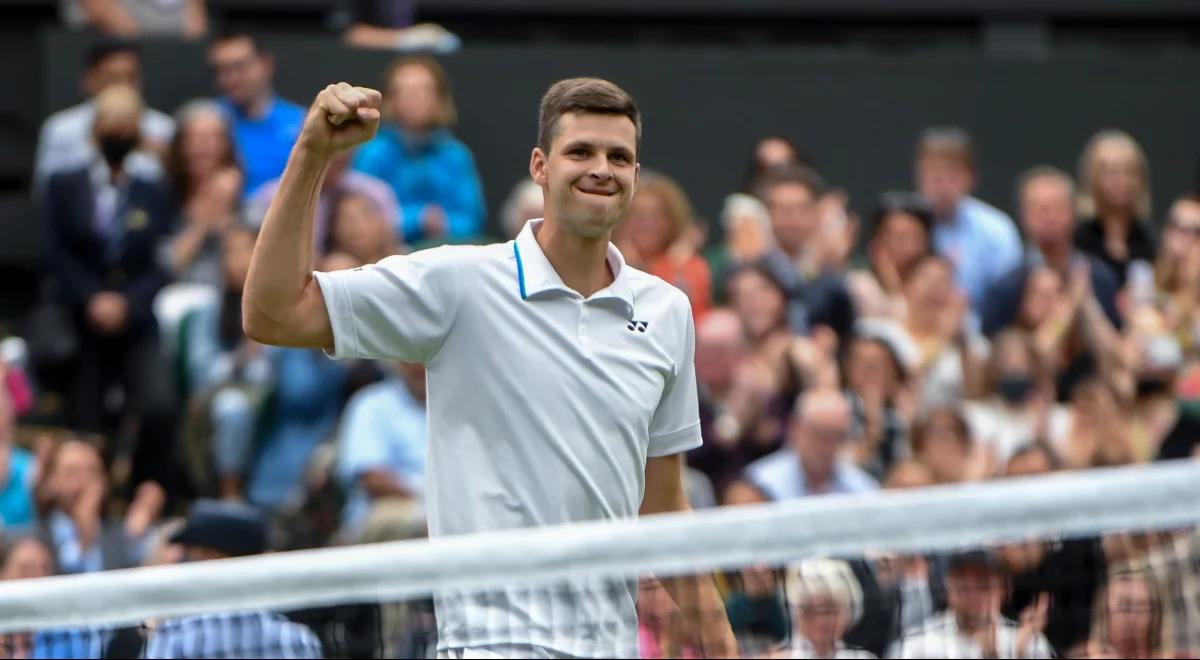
(814, 463)
(979, 240)
(381, 447)
(264, 126)
(432, 173)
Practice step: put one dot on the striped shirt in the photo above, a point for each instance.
(233, 635)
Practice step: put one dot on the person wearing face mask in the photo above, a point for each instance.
(1159, 427)
(105, 228)
(1020, 408)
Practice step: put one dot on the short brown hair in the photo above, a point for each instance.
(447, 114)
(797, 175)
(947, 142)
(594, 95)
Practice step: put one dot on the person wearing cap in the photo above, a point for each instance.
(972, 625)
(826, 601)
(221, 530)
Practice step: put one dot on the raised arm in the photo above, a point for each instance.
(282, 304)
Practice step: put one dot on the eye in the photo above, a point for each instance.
(620, 158)
(577, 151)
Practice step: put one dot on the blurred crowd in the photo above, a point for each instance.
(937, 340)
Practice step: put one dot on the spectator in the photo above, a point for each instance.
(901, 234)
(1066, 571)
(1021, 407)
(207, 183)
(813, 464)
(1114, 201)
(815, 294)
(389, 24)
(23, 558)
(218, 530)
(660, 632)
(1129, 616)
(360, 230)
(1045, 195)
(944, 356)
(771, 153)
(106, 226)
(826, 601)
(979, 240)
(227, 377)
(874, 375)
(306, 398)
(659, 237)
(943, 442)
(138, 18)
(972, 625)
(264, 125)
(339, 180)
(65, 142)
(740, 414)
(1099, 431)
(381, 457)
(524, 203)
(18, 472)
(1177, 271)
(747, 240)
(1159, 427)
(72, 492)
(431, 172)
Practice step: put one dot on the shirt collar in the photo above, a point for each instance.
(536, 275)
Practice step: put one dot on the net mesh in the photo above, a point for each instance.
(1104, 563)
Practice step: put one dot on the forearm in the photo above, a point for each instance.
(280, 276)
(381, 483)
(109, 16)
(195, 20)
(187, 245)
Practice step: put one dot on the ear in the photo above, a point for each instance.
(537, 167)
(637, 172)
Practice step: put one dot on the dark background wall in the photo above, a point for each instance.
(856, 115)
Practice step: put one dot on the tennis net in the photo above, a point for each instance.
(1100, 563)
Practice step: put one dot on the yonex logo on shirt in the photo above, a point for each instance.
(640, 326)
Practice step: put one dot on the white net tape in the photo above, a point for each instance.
(1064, 505)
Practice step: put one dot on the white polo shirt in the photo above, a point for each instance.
(543, 408)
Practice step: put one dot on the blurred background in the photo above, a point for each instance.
(962, 236)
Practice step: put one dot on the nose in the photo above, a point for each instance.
(600, 170)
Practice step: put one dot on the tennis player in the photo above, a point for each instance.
(561, 383)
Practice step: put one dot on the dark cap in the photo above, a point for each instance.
(975, 558)
(233, 529)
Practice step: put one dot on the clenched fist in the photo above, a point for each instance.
(341, 117)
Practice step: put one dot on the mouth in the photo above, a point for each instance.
(596, 192)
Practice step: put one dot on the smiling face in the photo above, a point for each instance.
(590, 173)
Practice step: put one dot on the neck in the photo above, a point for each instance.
(817, 482)
(922, 326)
(1115, 220)
(581, 262)
(1057, 255)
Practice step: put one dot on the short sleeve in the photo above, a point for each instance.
(361, 446)
(675, 426)
(401, 308)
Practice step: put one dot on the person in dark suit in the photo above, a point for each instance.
(105, 226)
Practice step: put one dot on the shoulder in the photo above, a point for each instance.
(67, 122)
(858, 479)
(772, 466)
(158, 125)
(72, 178)
(991, 219)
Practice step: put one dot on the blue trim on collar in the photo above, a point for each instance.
(520, 270)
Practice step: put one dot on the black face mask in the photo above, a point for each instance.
(1151, 386)
(1014, 388)
(115, 148)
